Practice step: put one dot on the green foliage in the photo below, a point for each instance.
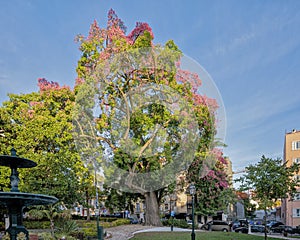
(2, 226)
(39, 126)
(112, 71)
(66, 227)
(213, 191)
(180, 223)
(46, 236)
(117, 201)
(90, 228)
(36, 224)
(249, 208)
(91, 232)
(270, 180)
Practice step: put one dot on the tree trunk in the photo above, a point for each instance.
(152, 210)
(52, 227)
(265, 223)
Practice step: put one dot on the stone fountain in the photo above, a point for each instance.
(15, 201)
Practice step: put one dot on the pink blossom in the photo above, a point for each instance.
(139, 30)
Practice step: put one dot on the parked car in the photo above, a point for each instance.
(216, 225)
(254, 228)
(239, 223)
(133, 220)
(273, 224)
(241, 230)
(285, 228)
(259, 228)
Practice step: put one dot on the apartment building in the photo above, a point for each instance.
(290, 210)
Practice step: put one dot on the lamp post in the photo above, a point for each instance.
(192, 190)
(173, 199)
(99, 228)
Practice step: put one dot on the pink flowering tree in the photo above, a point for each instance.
(117, 72)
(213, 184)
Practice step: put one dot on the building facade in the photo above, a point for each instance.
(290, 210)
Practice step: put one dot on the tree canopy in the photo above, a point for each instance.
(39, 126)
(144, 112)
(138, 117)
(270, 180)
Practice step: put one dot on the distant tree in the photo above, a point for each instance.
(120, 201)
(270, 180)
(249, 208)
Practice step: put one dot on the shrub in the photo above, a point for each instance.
(33, 224)
(66, 227)
(176, 223)
(90, 228)
(46, 236)
(90, 231)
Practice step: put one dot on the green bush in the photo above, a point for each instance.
(2, 225)
(33, 224)
(93, 224)
(118, 222)
(90, 228)
(90, 231)
(181, 223)
(46, 236)
(66, 227)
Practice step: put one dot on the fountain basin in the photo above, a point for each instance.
(15, 201)
(25, 199)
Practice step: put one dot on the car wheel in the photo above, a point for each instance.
(225, 230)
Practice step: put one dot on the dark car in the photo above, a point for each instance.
(235, 225)
(239, 223)
(254, 228)
(241, 230)
(240, 226)
(284, 228)
(259, 228)
(216, 225)
(133, 220)
(273, 224)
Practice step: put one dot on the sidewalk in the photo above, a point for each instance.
(125, 232)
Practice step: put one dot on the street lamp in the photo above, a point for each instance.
(173, 198)
(99, 228)
(192, 190)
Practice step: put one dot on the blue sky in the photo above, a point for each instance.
(250, 48)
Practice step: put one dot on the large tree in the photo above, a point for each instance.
(270, 180)
(139, 109)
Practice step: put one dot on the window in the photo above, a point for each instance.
(166, 207)
(297, 177)
(296, 160)
(296, 145)
(296, 212)
(297, 197)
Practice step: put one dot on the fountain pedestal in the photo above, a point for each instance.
(15, 201)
